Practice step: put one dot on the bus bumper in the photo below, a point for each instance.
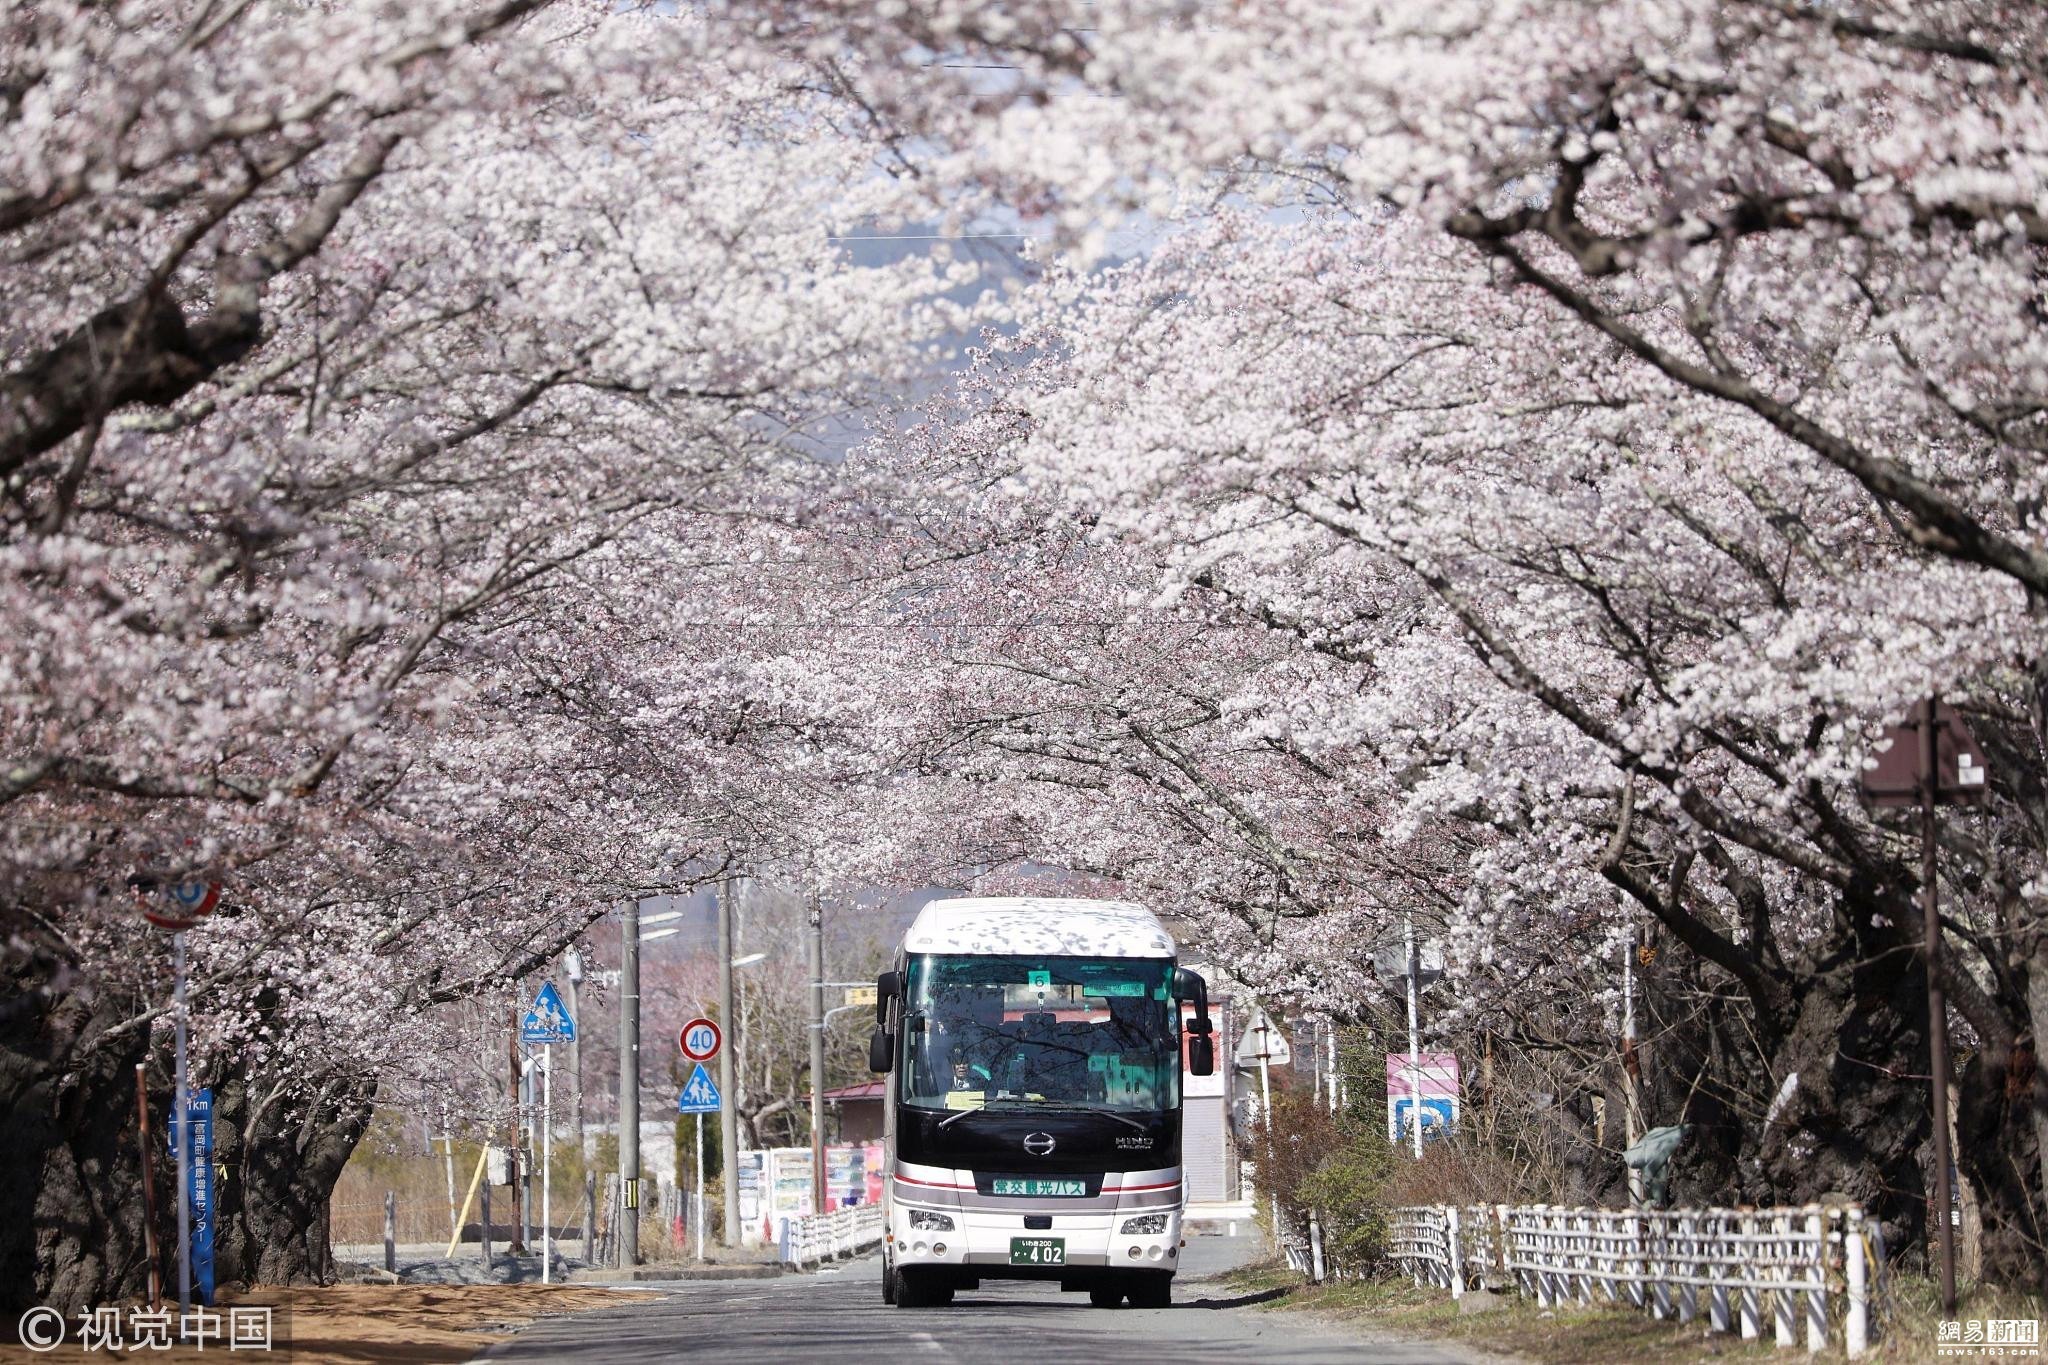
(1035, 1245)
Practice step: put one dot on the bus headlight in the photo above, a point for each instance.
(1145, 1224)
(930, 1222)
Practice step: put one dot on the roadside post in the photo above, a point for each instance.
(1933, 760)
(156, 1278)
(1266, 1045)
(700, 1041)
(546, 1024)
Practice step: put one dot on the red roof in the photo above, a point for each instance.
(865, 1090)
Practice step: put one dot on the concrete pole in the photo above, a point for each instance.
(1266, 1118)
(530, 1107)
(1315, 1057)
(1330, 1056)
(729, 1020)
(1414, 1040)
(518, 1209)
(629, 1085)
(815, 935)
(576, 1052)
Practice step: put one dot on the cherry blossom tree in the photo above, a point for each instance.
(1541, 595)
(1688, 436)
(381, 390)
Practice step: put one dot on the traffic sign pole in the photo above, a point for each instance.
(547, 1166)
(699, 1210)
(183, 1099)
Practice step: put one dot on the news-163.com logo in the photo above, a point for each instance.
(1990, 1338)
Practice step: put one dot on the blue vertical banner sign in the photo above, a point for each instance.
(199, 1123)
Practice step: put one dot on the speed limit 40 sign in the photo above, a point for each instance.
(700, 1039)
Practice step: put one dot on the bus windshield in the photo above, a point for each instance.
(1063, 1032)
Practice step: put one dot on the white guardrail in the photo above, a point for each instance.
(1736, 1267)
(830, 1236)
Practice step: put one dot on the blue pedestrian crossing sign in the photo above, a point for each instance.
(547, 1021)
(700, 1096)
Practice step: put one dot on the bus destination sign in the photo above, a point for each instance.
(1038, 1187)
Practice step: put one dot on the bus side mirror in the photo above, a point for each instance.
(1201, 1048)
(881, 1050)
(888, 986)
(1189, 986)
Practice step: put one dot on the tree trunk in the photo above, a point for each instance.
(283, 1153)
(1855, 1123)
(71, 1220)
(1998, 1147)
(71, 1205)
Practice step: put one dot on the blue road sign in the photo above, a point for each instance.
(700, 1096)
(1438, 1115)
(547, 1021)
(199, 1122)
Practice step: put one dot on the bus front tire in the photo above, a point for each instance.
(921, 1289)
(1151, 1291)
(888, 1283)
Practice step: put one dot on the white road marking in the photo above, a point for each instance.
(926, 1340)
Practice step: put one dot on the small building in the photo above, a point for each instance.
(858, 1109)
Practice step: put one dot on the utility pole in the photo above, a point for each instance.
(1414, 1039)
(518, 1247)
(1631, 1065)
(629, 1085)
(816, 937)
(1924, 781)
(1263, 1027)
(1330, 1058)
(572, 967)
(728, 1116)
(1937, 1005)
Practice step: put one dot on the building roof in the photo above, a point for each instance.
(859, 1090)
(1038, 926)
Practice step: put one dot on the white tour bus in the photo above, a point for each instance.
(1033, 1114)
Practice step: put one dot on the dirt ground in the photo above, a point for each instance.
(356, 1324)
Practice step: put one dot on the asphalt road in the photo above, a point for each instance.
(838, 1318)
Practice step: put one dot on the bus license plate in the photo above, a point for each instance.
(1055, 1189)
(1038, 1251)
